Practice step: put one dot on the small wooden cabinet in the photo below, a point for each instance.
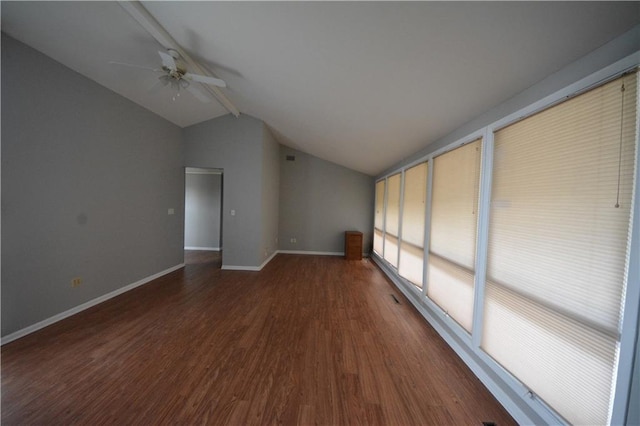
(353, 245)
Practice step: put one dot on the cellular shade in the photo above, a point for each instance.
(557, 251)
(413, 216)
(454, 201)
(379, 218)
(392, 221)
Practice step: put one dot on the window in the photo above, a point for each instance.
(559, 235)
(413, 215)
(392, 220)
(452, 246)
(552, 244)
(379, 219)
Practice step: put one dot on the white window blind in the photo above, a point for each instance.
(392, 221)
(413, 211)
(379, 218)
(454, 201)
(557, 252)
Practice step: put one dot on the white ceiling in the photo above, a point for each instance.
(362, 84)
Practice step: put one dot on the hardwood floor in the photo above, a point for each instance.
(192, 257)
(308, 340)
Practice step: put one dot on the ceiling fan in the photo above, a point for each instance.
(175, 75)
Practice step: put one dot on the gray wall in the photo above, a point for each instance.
(202, 203)
(270, 193)
(234, 145)
(320, 200)
(87, 181)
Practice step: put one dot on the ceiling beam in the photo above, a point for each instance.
(157, 31)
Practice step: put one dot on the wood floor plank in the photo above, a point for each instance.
(307, 340)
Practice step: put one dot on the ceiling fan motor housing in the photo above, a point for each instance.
(180, 70)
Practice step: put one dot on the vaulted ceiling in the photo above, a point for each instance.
(362, 84)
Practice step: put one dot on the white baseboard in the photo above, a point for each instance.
(202, 248)
(259, 268)
(268, 259)
(316, 253)
(37, 326)
(250, 268)
(240, 268)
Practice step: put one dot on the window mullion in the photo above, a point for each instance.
(427, 226)
(484, 205)
(400, 217)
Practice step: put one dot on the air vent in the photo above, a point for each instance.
(291, 158)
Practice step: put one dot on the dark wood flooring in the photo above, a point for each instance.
(308, 340)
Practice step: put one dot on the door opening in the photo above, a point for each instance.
(203, 215)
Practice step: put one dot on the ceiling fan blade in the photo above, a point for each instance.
(157, 86)
(205, 79)
(133, 66)
(165, 79)
(168, 61)
(201, 96)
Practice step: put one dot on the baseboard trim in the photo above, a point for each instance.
(259, 268)
(269, 259)
(313, 253)
(202, 248)
(62, 315)
(240, 268)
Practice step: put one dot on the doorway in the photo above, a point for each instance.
(203, 215)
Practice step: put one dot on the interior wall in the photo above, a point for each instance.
(202, 201)
(270, 194)
(319, 200)
(235, 145)
(88, 178)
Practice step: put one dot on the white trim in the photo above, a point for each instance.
(482, 237)
(259, 268)
(240, 268)
(62, 315)
(202, 248)
(268, 259)
(315, 253)
(427, 228)
(250, 268)
(400, 214)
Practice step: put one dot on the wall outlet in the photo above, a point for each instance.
(293, 240)
(76, 282)
(171, 212)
